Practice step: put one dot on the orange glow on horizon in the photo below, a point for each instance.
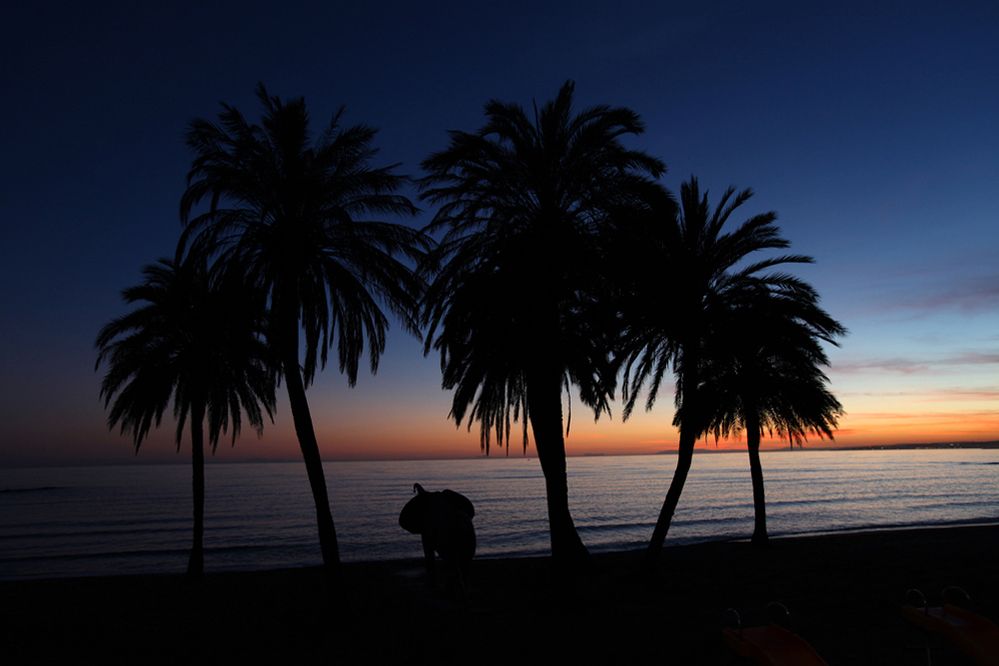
(356, 425)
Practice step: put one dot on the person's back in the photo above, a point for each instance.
(444, 521)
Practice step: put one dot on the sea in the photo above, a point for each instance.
(95, 521)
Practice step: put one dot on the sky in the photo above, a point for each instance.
(871, 128)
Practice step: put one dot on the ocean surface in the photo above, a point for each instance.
(84, 521)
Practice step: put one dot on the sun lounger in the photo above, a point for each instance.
(975, 636)
(771, 645)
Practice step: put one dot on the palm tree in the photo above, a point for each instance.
(195, 341)
(684, 274)
(762, 371)
(517, 307)
(291, 214)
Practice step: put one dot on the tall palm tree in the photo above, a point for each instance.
(685, 271)
(516, 307)
(196, 341)
(762, 371)
(296, 216)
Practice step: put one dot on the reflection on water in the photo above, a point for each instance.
(132, 519)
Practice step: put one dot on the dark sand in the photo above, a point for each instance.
(844, 592)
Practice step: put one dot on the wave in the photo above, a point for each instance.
(218, 551)
(93, 533)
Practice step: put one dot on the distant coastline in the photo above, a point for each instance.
(992, 444)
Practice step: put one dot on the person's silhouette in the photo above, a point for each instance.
(444, 521)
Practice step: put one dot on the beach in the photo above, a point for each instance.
(844, 592)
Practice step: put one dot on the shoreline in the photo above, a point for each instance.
(596, 551)
(844, 591)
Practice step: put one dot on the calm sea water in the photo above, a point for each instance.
(137, 519)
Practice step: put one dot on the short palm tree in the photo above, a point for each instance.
(685, 272)
(297, 218)
(516, 307)
(196, 342)
(762, 371)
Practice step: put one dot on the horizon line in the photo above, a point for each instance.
(211, 460)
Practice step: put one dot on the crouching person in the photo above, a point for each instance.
(444, 522)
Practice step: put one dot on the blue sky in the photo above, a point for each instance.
(871, 128)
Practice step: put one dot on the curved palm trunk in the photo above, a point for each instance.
(306, 434)
(544, 403)
(313, 463)
(196, 563)
(756, 471)
(685, 455)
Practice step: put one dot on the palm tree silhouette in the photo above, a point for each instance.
(761, 371)
(292, 215)
(684, 274)
(196, 341)
(515, 307)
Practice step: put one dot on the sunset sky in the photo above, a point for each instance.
(871, 128)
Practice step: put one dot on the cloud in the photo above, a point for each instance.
(971, 394)
(973, 358)
(908, 366)
(984, 393)
(974, 294)
(900, 365)
(926, 293)
(962, 417)
(880, 394)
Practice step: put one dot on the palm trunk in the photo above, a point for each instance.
(313, 464)
(685, 455)
(756, 471)
(196, 563)
(544, 404)
(689, 429)
(288, 340)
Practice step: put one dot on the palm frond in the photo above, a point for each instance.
(195, 339)
(515, 282)
(738, 335)
(296, 217)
